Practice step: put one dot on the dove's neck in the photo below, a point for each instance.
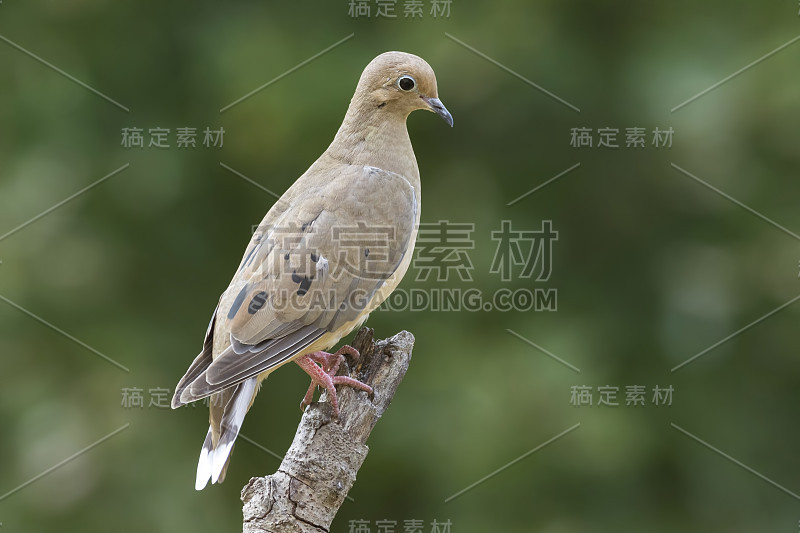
(378, 139)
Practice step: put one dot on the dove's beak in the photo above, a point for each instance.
(438, 107)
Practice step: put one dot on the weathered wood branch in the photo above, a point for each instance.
(319, 469)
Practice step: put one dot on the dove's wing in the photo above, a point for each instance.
(313, 267)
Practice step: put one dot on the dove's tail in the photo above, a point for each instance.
(232, 404)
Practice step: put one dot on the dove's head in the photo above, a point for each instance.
(399, 83)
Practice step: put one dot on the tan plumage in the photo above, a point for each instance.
(326, 254)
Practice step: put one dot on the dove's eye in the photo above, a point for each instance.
(406, 83)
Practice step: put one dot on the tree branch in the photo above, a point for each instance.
(319, 469)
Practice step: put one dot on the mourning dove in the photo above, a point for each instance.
(328, 253)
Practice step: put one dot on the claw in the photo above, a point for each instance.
(322, 367)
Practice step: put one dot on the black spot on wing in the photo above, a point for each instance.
(257, 302)
(237, 303)
(307, 225)
(250, 255)
(303, 281)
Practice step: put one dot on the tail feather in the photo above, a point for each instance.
(204, 465)
(214, 456)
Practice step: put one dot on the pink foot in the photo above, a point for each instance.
(325, 376)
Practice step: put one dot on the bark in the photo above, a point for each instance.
(320, 467)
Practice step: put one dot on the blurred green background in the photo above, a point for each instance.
(651, 266)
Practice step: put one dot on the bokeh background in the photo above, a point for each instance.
(651, 266)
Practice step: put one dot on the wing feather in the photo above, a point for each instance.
(198, 366)
(311, 267)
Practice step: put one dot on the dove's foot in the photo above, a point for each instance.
(325, 376)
